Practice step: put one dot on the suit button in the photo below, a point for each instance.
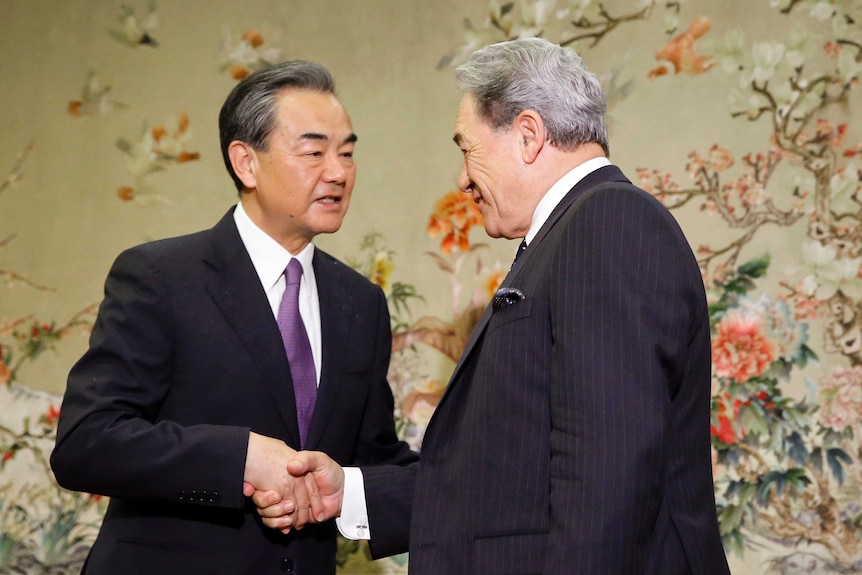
(287, 565)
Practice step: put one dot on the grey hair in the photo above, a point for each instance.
(534, 74)
(249, 112)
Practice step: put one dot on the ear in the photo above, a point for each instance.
(531, 133)
(244, 160)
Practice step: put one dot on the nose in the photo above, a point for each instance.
(465, 184)
(335, 170)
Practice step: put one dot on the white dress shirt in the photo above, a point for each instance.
(558, 191)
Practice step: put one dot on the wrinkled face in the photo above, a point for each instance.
(301, 184)
(491, 171)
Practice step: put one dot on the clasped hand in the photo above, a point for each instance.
(290, 488)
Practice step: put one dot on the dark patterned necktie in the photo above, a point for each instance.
(521, 248)
(298, 348)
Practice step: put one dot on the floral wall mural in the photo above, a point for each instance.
(741, 116)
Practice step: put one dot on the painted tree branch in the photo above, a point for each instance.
(607, 23)
(15, 174)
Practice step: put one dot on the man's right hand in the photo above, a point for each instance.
(324, 483)
(266, 474)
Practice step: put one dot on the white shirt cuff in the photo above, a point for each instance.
(353, 523)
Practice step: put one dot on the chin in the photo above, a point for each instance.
(330, 227)
(492, 230)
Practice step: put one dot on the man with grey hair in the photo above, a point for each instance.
(216, 355)
(574, 435)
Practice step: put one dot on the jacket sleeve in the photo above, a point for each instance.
(110, 439)
(388, 464)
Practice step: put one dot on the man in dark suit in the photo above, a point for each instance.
(185, 401)
(574, 435)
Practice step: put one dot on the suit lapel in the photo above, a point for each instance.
(335, 320)
(604, 174)
(237, 292)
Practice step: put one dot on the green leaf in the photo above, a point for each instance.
(794, 478)
(805, 354)
(730, 519)
(747, 492)
(752, 421)
(796, 448)
(734, 542)
(835, 457)
(755, 268)
(739, 285)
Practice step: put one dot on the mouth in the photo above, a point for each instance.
(331, 200)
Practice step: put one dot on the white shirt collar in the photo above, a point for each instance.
(559, 190)
(268, 256)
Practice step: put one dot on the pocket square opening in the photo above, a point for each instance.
(507, 296)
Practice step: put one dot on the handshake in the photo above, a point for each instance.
(291, 488)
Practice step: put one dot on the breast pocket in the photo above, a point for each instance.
(507, 314)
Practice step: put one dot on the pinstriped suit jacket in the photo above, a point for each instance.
(574, 435)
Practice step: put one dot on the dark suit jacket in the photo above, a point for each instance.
(574, 435)
(185, 358)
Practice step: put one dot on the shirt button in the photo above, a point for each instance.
(287, 566)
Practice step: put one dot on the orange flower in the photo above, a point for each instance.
(51, 416)
(238, 72)
(187, 157)
(680, 54)
(5, 372)
(182, 125)
(126, 193)
(253, 37)
(74, 108)
(454, 214)
(159, 132)
(740, 351)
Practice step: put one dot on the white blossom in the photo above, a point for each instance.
(767, 57)
(822, 11)
(848, 67)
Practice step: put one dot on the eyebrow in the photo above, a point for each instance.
(352, 138)
(457, 138)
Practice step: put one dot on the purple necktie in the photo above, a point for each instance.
(298, 349)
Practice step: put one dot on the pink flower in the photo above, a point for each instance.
(740, 350)
(841, 395)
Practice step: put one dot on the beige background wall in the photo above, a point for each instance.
(62, 222)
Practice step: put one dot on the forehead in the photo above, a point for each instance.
(467, 122)
(304, 110)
